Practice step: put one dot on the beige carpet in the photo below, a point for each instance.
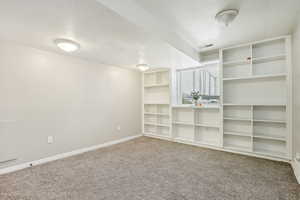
(150, 169)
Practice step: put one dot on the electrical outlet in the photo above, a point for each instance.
(50, 139)
(118, 127)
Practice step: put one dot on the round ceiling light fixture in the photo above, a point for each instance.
(225, 17)
(67, 45)
(208, 45)
(143, 67)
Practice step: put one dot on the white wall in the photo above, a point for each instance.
(78, 102)
(296, 78)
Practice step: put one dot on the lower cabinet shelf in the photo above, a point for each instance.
(237, 133)
(271, 153)
(183, 139)
(246, 147)
(155, 124)
(156, 135)
(262, 136)
(208, 143)
(238, 148)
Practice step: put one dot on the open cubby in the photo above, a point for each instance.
(207, 117)
(162, 77)
(183, 132)
(236, 142)
(269, 48)
(150, 129)
(150, 79)
(184, 115)
(150, 119)
(237, 70)
(270, 147)
(275, 131)
(150, 108)
(237, 127)
(269, 66)
(241, 53)
(156, 94)
(163, 131)
(256, 91)
(207, 136)
(270, 113)
(156, 78)
(156, 109)
(161, 119)
(163, 109)
(237, 112)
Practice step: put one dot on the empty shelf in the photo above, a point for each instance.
(156, 85)
(209, 143)
(268, 58)
(269, 121)
(156, 71)
(271, 153)
(184, 123)
(233, 104)
(255, 120)
(237, 133)
(237, 62)
(236, 119)
(155, 103)
(208, 125)
(155, 124)
(238, 148)
(269, 137)
(184, 139)
(163, 114)
(156, 135)
(255, 77)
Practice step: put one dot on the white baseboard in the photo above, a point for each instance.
(296, 168)
(64, 155)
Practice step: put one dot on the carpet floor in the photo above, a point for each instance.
(151, 169)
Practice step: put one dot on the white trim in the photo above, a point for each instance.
(296, 167)
(64, 155)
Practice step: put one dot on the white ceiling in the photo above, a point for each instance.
(104, 36)
(194, 19)
(126, 32)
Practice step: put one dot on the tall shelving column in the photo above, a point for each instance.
(256, 98)
(156, 103)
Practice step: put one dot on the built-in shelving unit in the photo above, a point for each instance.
(254, 115)
(156, 107)
(256, 96)
(197, 125)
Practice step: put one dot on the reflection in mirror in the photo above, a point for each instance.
(204, 79)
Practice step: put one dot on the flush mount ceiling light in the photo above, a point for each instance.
(208, 45)
(67, 45)
(142, 67)
(225, 17)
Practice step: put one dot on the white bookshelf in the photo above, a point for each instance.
(256, 98)
(254, 117)
(156, 103)
(197, 125)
